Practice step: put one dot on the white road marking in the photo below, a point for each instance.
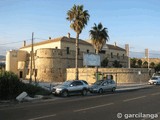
(98, 106)
(46, 103)
(42, 117)
(158, 93)
(130, 99)
(88, 97)
(21, 107)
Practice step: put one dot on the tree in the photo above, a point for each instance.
(152, 64)
(117, 64)
(145, 64)
(157, 68)
(133, 62)
(78, 18)
(99, 36)
(104, 63)
(139, 63)
(2, 66)
(11, 87)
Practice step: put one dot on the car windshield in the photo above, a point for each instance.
(98, 82)
(154, 78)
(66, 83)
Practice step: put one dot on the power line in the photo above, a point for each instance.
(14, 42)
(40, 38)
(22, 41)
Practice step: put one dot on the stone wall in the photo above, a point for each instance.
(120, 75)
(50, 63)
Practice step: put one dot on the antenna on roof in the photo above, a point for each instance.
(24, 43)
(69, 35)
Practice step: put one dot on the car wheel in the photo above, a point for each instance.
(113, 89)
(100, 91)
(84, 92)
(65, 93)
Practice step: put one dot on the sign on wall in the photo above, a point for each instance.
(91, 60)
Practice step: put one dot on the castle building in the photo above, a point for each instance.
(52, 57)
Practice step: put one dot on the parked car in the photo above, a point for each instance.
(154, 80)
(71, 87)
(101, 86)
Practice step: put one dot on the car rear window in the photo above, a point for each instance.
(85, 82)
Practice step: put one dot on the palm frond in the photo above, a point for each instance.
(78, 18)
(99, 36)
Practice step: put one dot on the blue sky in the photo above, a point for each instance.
(133, 22)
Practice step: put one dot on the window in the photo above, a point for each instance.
(123, 56)
(27, 71)
(14, 55)
(105, 83)
(67, 50)
(102, 51)
(35, 53)
(20, 74)
(117, 55)
(85, 82)
(79, 83)
(78, 51)
(35, 72)
(87, 51)
(111, 55)
(73, 84)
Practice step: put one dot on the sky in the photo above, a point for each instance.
(133, 22)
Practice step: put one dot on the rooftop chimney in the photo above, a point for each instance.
(69, 35)
(24, 43)
(115, 44)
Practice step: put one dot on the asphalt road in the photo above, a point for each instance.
(131, 105)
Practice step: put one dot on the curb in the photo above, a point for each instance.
(133, 88)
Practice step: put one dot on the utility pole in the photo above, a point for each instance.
(35, 71)
(31, 54)
(127, 52)
(147, 56)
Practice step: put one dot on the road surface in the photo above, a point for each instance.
(143, 104)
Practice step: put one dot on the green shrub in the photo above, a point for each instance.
(35, 90)
(11, 87)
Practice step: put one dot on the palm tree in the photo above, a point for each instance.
(99, 37)
(139, 63)
(78, 18)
